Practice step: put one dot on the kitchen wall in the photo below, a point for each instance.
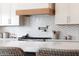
(32, 23)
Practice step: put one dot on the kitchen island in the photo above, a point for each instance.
(32, 46)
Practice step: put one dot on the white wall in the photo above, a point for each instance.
(33, 22)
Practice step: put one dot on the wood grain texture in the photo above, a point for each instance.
(35, 11)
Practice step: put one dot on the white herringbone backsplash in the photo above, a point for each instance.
(33, 22)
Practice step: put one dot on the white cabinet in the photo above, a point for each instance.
(67, 13)
(74, 13)
(61, 13)
(0, 15)
(14, 18)
(8, 15)
(5, 9)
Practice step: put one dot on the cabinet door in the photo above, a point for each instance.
(61, 13)
(14, 17)
(74, 13)
(24, 6)
(0, 15)
(5, 9)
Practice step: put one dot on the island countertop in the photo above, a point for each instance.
(30, 46)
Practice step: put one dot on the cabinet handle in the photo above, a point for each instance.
(9, 21)
(68, 19)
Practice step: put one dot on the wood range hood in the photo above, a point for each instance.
(50, 11)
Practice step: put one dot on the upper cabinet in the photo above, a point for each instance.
(35, 8)
(5, 13)
(61, 13)
(8, 15)
(74, 13)
(15, 19)
(67, 13)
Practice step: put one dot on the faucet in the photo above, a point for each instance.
(68, 37)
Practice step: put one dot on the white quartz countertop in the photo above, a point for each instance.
(62, 40)
(31, 46)
(34, 46)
